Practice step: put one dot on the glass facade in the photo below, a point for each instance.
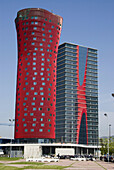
(77, 95)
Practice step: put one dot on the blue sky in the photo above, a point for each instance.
(85, 22)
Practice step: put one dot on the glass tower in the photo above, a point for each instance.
(77, 95)
(38, 34)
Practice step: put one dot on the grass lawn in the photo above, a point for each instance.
(9, 159)
(32, 163)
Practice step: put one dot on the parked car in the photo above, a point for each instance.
(78, 158)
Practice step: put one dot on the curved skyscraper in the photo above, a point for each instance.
(38, 34)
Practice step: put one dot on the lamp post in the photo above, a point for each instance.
(108, 134)
(11, 120)
(112, 94)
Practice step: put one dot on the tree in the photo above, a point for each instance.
(104, 146)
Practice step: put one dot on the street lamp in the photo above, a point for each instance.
(11, 120)
(112, 94)
(108, 134)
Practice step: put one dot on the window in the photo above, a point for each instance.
(26, 38)
(42, 29)
(48, 130)
(34, 38)
(50, 40)
(34, 68)
(34, 78)
(32, 88)
(35, 28)
(24, 124)
(48, 59)
(48, 79)
(41, 88)
(34, 98)
(40, 108)
(43, 98)
(50, 36)
(41, 74)
(34, 58)
(34, 119)
(26, 58)
(34, 108)
(33, 103)
(35, 93)
(43, 39)
(33, 33)
(31, 114)
(32, 43)
(34, 124)
(35, 48)
(41, 93)
(26, 130)
(23, 119)
(25, 98)
(43, 34)
(48, 45)
(36, 17)
(43, 114)
(42, 54)
(41, 44)
(41, 49)
(49, 20)
(41, 119)
(42, 124)
(34, 63)
(35, 83)
(35, 73)
(52, 26)
(26, 83)
(49, 89)
(34, 53)
(49, 30)
(42, 64)
(43, 59)
(32, 22)
(44, 24)
(40, 130)
(28, 63)
(27, 73)
(48, 69)
(43, 83)
(36, 22)
(42, 69)
(25, 114)
(28, 53)
(42, 78)
(41, 104)
(32, 130)
(49, 94)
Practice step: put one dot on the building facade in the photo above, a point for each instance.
(38, 34)
(77, 95)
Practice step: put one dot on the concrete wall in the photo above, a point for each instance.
(32, 151)
(64, 151)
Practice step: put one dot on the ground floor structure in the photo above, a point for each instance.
(37, 150)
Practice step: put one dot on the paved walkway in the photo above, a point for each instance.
(73, 165)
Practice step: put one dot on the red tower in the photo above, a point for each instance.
(38, 34)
